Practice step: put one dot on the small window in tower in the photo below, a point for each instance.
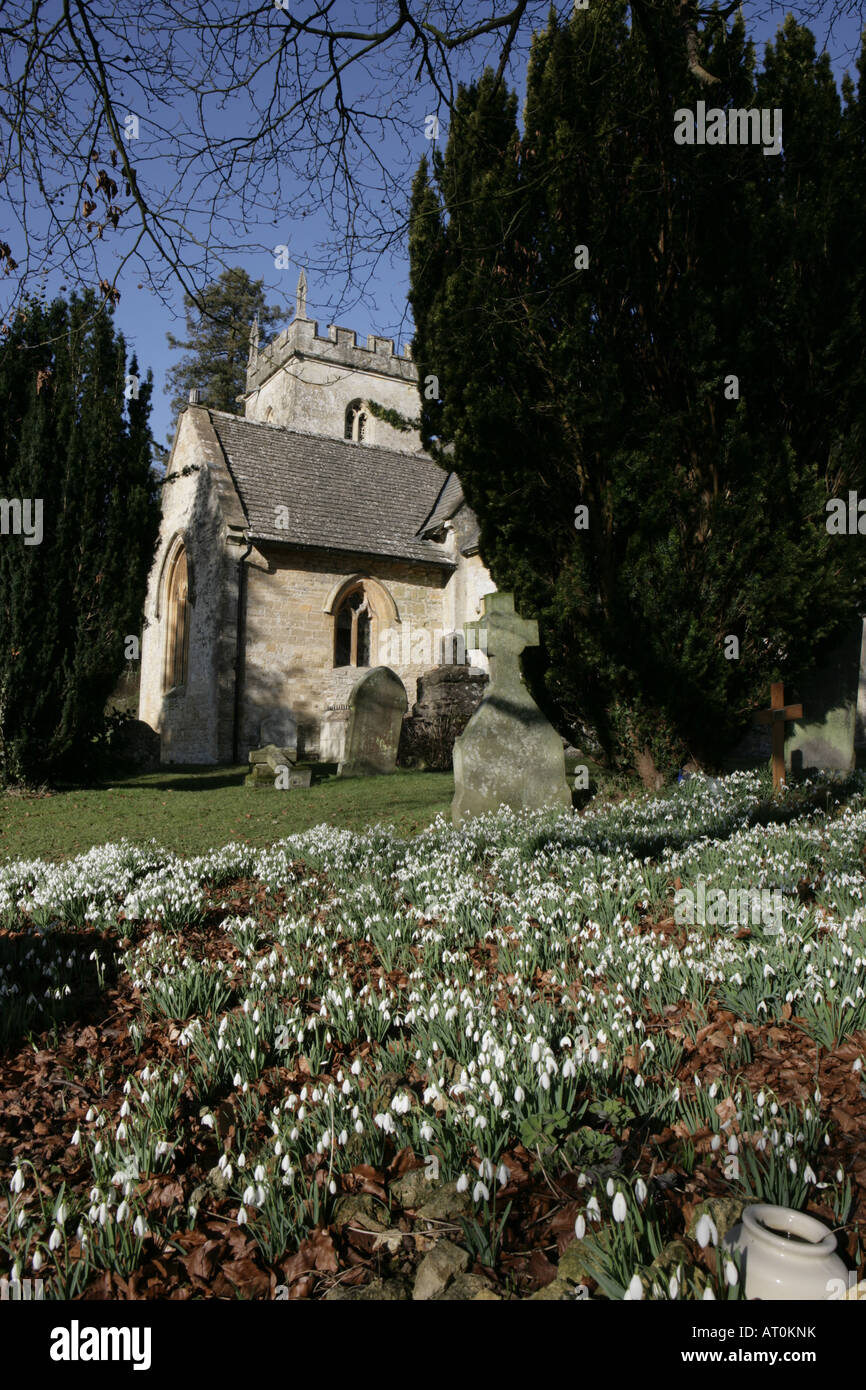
(356, 422)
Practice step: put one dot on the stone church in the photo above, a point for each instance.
(300, 543)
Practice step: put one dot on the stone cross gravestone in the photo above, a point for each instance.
(376, 708)
(508, 754)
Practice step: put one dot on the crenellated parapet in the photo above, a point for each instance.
(340, 348)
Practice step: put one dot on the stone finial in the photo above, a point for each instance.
(254, 342)
(301, 300)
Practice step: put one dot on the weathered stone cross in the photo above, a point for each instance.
(507, 635)
(778, 715)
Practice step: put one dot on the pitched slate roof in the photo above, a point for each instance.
(340, 496)
(447, 503)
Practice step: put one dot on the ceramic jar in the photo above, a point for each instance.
(786, 1254)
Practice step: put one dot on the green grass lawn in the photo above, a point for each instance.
(196, 809)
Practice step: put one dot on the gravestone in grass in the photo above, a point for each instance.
(509, 754)
(376, 707)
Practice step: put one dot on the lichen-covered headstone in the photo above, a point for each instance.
(509, 754)
(376, 708)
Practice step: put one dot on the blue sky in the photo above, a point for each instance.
(376, 306)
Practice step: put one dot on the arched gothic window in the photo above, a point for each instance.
(356, 422)
(177, 614)
(353, 630)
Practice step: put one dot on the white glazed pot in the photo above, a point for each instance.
(786, 1254)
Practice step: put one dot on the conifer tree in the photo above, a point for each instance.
(71, 441)
(585, 293)
(217, 342)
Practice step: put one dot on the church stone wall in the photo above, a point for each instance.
(466, 588)
(195, 721)
(289, 660)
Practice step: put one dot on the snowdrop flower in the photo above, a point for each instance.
(519, 1095)
(242, 1217)
(242, 1160)
(675, 1094)
(593, 1210)
(674, 1285)
(709, 1296)
(480, 1193)
(809, 1175)
(840, 1176)
(55, 1239)
(580, 1227)
(123, 1210)
(609, 1189)
(76, 1139)
(17, 1183)
(259, 1174)
(207, 1121)
(634, 1292)
(640, 1191)
(706, 1232)
(91, 1115)
(503, 1173)
(462, 1183)
(731, 1276)
(139, 1227)
(37, 1260)
(620, 1209)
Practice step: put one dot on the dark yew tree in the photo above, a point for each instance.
(604, 378)
(75, 447)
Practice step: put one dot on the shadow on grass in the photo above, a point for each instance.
(179, 778)
(798, 803)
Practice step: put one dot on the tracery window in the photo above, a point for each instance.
(356, 422)
(353, 630)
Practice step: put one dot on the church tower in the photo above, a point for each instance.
(323, 386)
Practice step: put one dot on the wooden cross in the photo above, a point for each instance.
(778, 714)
